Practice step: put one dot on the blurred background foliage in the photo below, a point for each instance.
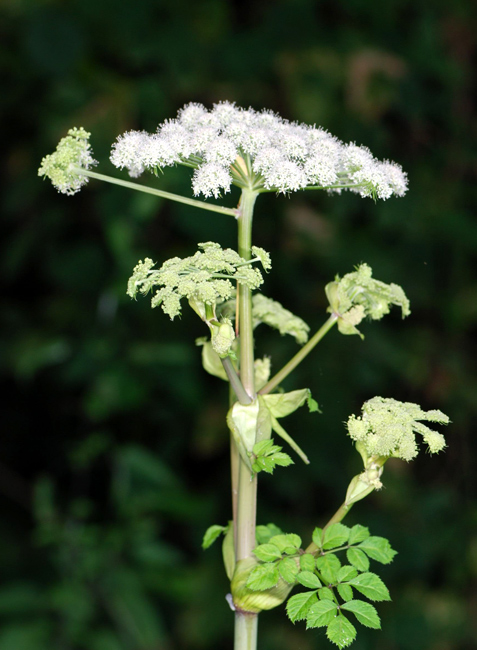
(113, 454)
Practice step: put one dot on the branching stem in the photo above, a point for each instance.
(299, 356)
(152, 190)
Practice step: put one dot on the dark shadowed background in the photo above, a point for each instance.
(113, 453)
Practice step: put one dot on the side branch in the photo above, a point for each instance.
(299, 356)
(165, 195)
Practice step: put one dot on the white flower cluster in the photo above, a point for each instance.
(259, 150)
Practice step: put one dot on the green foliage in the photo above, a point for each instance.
(266, 456)
(288, 570)
(341, 632)
(263, 577)
(340, 580)
(211, 534)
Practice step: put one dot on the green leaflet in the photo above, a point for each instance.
(263, 577)
(364, 612)
(345, 591)
(346, 573)
(341, 632)
(318, 537)
(308, 579)
(379, 549)
(267, 552)
(335, 535)
(211, 535)
(266, 456)
(358, 534)
(288, 569)
(307, 562)
(328, 566)
(371, 586)
(288, 543)
(263, 534)
(358, 558)
(299, 605)
(321, 614)
(325, 593)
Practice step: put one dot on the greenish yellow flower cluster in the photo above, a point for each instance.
(387, 428)
(357, 295)
(63, 167)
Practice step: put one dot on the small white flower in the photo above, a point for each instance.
(209, 179)
(128, 152)
(285, 176)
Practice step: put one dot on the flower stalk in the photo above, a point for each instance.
(178, 198)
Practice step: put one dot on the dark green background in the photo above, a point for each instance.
(113, 453)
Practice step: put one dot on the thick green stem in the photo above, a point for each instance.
(246, 622)
(245, 631)
(151, 190)
(299, 356)
(247, 488)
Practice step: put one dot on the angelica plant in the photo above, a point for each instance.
(259, 152)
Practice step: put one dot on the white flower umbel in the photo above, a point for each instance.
(63, 167)
(256, 150)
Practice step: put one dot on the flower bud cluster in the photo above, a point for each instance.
(387, 429)
(205, 278)
(357, 295)
(61, 167)
(260, 150)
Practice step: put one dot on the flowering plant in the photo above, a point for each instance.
(260, 152)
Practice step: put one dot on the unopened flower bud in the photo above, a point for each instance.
(223, 336)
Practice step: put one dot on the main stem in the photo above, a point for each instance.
(246, 622)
